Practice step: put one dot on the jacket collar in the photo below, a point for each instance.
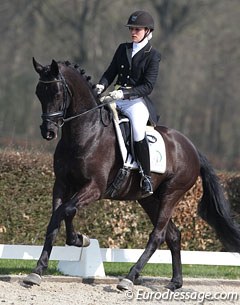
(129, 47)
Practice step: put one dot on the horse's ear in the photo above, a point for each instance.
(38, 68)
(54, 68)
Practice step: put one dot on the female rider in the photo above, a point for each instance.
(136, 66)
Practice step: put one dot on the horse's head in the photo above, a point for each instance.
(52, 91)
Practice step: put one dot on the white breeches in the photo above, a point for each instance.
(138, 114)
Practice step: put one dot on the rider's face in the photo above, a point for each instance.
(137, 34)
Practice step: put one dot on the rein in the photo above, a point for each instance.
(85, 112)
(108, 101)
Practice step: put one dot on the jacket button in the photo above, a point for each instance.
(122, 66)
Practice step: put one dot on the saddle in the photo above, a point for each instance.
(124, 135)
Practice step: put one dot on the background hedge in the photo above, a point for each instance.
(26, 181)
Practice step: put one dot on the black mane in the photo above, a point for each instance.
(80, 71)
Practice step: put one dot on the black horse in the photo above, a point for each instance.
(87, 159)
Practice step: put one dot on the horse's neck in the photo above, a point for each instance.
(83, 99)
(82, 105)
(82, 94)
(89, 123)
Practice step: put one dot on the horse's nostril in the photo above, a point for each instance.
(50, 135)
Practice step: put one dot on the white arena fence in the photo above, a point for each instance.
(88, 262)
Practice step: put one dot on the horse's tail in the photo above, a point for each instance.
(215, 209)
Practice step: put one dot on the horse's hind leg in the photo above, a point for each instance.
(157, 237)
(160, 216)
(173, 240)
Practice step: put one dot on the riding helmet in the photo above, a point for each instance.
(141, 19)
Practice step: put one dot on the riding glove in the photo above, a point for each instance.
(99, 89)
(116, 94)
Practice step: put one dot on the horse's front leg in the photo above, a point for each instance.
(89, 193)
(67, 211)
(52, 230)
(58, 214)
(74, 238)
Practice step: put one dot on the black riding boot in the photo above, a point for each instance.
(142, 155)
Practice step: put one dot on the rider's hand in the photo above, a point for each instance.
(116, 94)
(99, 89)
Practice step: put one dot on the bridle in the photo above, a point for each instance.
(60, 115)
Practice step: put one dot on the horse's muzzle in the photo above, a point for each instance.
(48, 132)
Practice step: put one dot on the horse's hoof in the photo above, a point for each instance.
(125, 284)
(173, 286)
(85, 241)
(32, 279)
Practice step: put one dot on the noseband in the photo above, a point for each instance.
(50, 117)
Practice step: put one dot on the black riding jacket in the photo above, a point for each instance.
(135, 76)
